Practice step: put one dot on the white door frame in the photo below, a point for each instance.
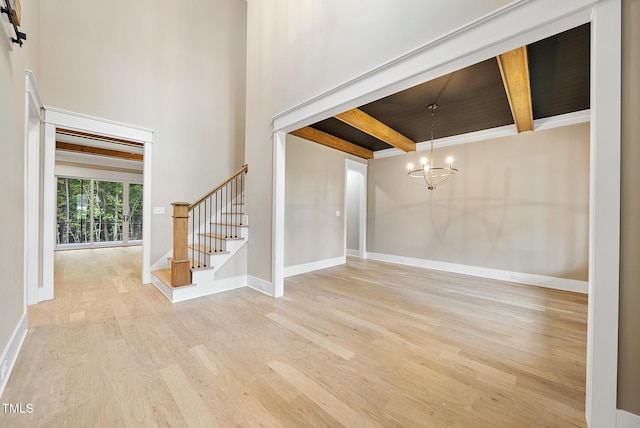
(360, 169)
(32, 202)
(54, 118)
(517, 24)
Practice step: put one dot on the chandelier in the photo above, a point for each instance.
(427, 174)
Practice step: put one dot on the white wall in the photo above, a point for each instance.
(519, 203)
(297, 50)
(315, 189)
(12, 190)
(178, 69)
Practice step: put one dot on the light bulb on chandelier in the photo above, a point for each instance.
(429, 175)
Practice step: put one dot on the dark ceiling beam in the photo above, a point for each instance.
(369, 125)
(514, 68)
(312, 134)
(97, 151)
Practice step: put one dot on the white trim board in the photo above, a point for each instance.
(627, 420)
(261, 285)
(181, 294)
(97, 125)
(486, 134)
(482, 272)
(353, 253)
(10, 353)
(313, 266)
(32, 200)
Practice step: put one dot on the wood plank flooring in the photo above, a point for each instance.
(366, 344)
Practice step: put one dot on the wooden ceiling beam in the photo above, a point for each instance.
(514, 69)
(369, 125)
(97, 151)
(328, 140)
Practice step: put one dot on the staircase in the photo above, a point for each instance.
(206, 235)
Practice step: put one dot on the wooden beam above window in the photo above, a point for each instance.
(514, 68)
(312, 134)
(97, 151)
(372, 126)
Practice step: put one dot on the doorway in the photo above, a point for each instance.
(112, 134)
(356, 209)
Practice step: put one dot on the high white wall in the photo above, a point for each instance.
(296, 50)
(519, 203)
(12, 130)
(176, 68)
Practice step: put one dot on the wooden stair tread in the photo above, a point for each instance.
(164, 275)
(219, 236)
(207, 249)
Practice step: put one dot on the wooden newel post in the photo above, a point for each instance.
(180, 264)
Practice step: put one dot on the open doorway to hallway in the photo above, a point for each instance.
(108, 158)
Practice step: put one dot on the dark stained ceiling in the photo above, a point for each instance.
(474, 98)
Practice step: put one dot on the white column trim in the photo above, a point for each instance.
(32, 202)
(48, 212)
(604, 215)
(279, 159)
(146, 212)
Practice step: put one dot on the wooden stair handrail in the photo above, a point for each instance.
(244, 168)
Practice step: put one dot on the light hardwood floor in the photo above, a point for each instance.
(361, 345)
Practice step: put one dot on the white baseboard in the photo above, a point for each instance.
(627, 420)
(310, 267)
(11, 351)
(354, 253)
(180, 294)
(503, 275)
(261, 285)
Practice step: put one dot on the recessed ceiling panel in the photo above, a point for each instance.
(340, 129)
(468, 100)
(474, 98)
(559, 70)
